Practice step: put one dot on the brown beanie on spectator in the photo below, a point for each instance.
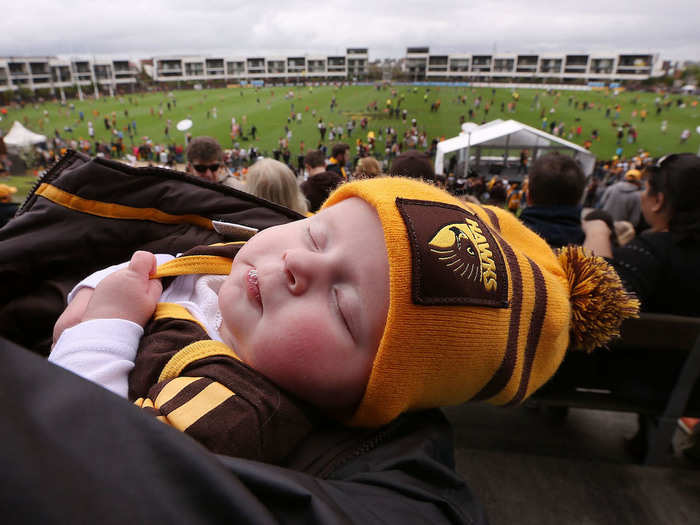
(413, 164)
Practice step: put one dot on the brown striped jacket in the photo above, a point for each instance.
(200, 387)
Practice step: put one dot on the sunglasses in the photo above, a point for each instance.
(663, 159)
(202, 168)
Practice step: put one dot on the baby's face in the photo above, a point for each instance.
(305, 303)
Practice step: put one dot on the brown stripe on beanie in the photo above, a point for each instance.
(494, 219)
(533, 334)
(505, 370)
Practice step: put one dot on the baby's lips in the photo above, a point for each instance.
(252, 287)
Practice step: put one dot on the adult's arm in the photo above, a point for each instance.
(73, 452)
(597, 237)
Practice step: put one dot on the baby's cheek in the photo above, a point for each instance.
(298, 356)
(303, 341)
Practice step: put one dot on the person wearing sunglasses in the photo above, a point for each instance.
(660, 265)
(205, 159)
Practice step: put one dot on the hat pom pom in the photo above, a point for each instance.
(599, 301)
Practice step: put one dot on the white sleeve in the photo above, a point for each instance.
(93, 280)
(100, 350)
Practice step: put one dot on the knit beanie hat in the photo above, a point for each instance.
(480, 308)
(7, 191)
(633, 175)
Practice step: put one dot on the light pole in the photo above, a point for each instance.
(466, 161)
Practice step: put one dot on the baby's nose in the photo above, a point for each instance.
(298, 268)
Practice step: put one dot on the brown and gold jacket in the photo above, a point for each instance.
(87, 214)
(199, 386)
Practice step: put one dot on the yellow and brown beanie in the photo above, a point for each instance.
(480, 308)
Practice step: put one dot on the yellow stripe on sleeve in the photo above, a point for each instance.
(206, 401)
(173, 388)
(111, 210)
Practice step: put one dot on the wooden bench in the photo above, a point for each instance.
(652, 370)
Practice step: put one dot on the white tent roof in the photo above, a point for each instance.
(514, 136)
(21, 137)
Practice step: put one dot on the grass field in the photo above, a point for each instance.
(268, 108)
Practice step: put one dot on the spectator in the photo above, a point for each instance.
(338, 160)
(496, 192)
(622, 199)
(659, 265)
(593, 193)
(205, 159)
(413, 164)
(554, 194)
(318, 187)
(275, 182)
(367, 168)
(314, 162)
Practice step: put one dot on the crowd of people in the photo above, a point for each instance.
(296, 329)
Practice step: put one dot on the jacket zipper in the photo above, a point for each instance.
(47, 176)
(364, 447)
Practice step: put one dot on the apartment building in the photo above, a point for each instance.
(353, 65)
(422, 65)
(55, 74)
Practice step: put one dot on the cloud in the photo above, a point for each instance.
(161, 27)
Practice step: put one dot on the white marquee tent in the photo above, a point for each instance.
(498, 139)
(20, 137)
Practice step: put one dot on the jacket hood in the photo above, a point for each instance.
(628, 187)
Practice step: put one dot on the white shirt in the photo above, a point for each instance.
(104, 350)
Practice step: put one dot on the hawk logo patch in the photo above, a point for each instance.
(455, 257)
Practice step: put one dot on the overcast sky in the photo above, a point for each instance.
(145, 28)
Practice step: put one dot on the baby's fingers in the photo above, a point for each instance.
(154, 290)
(143, 263)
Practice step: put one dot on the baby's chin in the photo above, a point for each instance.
(229, 340)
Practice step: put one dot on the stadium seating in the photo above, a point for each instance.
(652, 370)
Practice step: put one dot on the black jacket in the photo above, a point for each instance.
(662, 272)
(73, 452)
(558, 225)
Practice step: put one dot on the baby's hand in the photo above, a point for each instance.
(73, 314)
(127, 294)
